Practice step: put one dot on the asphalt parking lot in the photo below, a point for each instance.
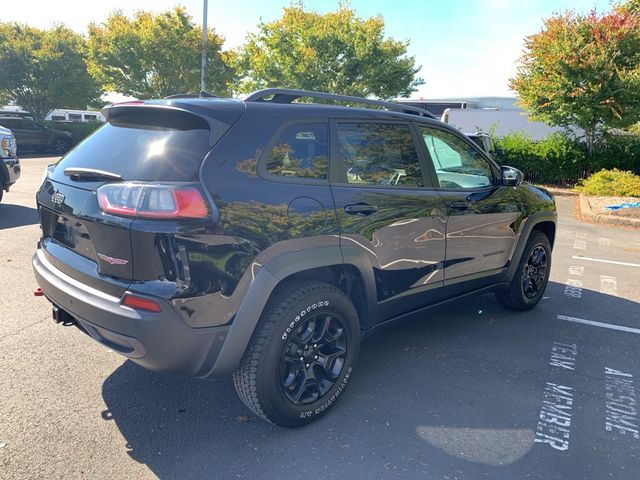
(471, 391)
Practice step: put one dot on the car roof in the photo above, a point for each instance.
(207, 105)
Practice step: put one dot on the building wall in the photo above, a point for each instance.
(500, 122)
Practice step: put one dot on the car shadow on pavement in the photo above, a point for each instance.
(16, 215)
(459, 393)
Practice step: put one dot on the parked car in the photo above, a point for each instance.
(211, 237)
(10, 165)
(32, 135)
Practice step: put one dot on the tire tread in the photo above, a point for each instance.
(245, 378)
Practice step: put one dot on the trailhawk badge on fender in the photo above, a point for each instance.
(112, 260)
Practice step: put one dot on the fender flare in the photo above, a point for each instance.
(265, 282)
(530, 222)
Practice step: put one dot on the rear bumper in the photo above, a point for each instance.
(157, 341)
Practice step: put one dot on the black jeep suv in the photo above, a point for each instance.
(265, 238)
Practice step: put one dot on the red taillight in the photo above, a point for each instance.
(152, 201)
(140, 303)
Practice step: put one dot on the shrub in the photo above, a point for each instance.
(611, 182)
(617, 151)
(561, 160)
(557, 159)
(78, 130)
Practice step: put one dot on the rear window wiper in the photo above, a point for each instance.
(80, 173)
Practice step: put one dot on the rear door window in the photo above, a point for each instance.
(300, 151)
(142, 151)
(379, 154)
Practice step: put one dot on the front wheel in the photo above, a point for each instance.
(531, 277)
(301, 355)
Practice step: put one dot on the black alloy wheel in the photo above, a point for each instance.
(534, 272)
(313, 358)
(301, 355)
(530, 279)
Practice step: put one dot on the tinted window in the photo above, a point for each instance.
(11, 122)
(457, 164)
(31, 125)
(379, 154)
(141, 152)
(300, 151)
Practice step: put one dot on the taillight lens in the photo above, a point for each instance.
(140, 303)
(152, 201)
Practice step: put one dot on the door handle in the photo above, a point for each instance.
(360, 208)
(459, 205)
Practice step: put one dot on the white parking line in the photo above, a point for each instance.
(599, 324)
(626, 264)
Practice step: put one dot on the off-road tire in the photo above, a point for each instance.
(514, 297)
(257, 379)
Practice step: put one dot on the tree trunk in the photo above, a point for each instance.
(35, 105)
(589, 140)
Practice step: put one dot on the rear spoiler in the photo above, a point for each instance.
(169, 115)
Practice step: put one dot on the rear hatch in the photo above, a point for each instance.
(144, 150)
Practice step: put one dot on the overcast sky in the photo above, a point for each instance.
(465, 47)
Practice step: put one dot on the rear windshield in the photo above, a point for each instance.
(141, 152)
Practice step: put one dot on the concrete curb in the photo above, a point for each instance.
(587, 212)
(560, 192)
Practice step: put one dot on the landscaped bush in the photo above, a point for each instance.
(557, 159)
(618, 151)
(560, 160)
(78, 130)
(611, 182)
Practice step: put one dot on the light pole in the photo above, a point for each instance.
(203, 63)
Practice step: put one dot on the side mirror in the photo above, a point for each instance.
(511, 177)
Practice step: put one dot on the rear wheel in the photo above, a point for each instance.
(531, 277)
(301, 355)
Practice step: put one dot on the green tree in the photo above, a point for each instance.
(155, 55)
(44, 69)
(335, 52)
(583, 70)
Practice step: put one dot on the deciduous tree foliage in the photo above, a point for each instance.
(335, 52)
(44, 69)
(583, 70)
(155, 55)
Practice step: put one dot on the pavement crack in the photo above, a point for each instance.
(19, 331)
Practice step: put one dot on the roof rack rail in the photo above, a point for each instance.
(285, 95)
